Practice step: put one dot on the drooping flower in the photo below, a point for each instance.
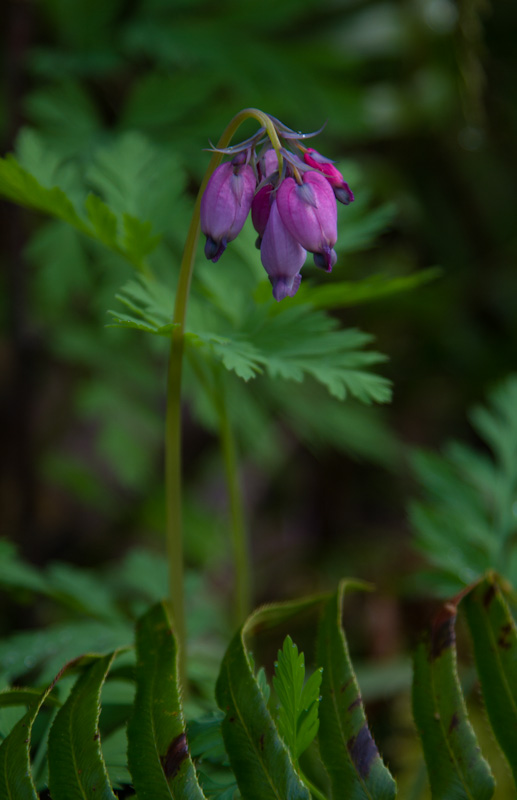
(225, 204)
(261, 208)
(341, 188)
(292, 202)
(282, 256)
(267, 163)
(309, 212)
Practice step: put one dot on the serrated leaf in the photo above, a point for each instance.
(103, 220)
(20, 186)
(297, 716)
(344, 294)
(494, 635)
(16, 780)
(289, 342)
(25, 696)
(15, 772)
(76, 765)
(347, 748)
(468, 513)
(260, 760)
(158, 755)
(139, 239)
(455, 765)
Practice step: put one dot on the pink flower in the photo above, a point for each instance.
(308, 211)
(268, 163)
(225, 204)
(341, 188)
(261, 207)
(282, 256)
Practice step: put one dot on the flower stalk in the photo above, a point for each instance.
(293, 207)
(173, 484)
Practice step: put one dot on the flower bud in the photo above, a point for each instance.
(268, 163)
(225, 204)
(308, 210)
(341, 188)
(282, 256)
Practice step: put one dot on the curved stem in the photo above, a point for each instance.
(173, 421)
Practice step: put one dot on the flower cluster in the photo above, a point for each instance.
(292, 199)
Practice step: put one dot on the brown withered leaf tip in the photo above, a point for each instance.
(455, 721)
(363, 751)
(489, 595)
(503, 640)
(443, 634)
(175, 756)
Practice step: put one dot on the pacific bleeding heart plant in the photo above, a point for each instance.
(292, 200)
(258, 745)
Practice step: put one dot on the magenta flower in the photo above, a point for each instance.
(268, 163)
(341, 188)
(225, 204)
(308, 210)
(292, 202)
(260, 209)
(282, 256)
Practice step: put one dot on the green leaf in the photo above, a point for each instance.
(468, 512)
(297, 717)
(262, 763)
(347, 748)
(455, 765)
(76, 765)
(494, 636)
(158, 754)
(344, 294)
(15, 773)
(16, 781)
(287, 341)
(25, 696)
(20, 186)
(103, 220)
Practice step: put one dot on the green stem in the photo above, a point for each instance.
(241, 561)
(312, 788)
(174, 536)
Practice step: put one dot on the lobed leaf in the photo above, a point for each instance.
(100, 222)
(158, 755)
(289, 341)
(494, 635)
(454, 762)
(344, 294)
(297, 717)
(260, 760)
(350, 755)
(75, 762)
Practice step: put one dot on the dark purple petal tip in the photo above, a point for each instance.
(344, 194)
(213, 249)
(325, 260)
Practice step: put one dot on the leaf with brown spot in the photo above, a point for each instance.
(454, 762)
(15, 768)
(350, 755)
(494, 636)
(260, 760)
(75, 761)
(158, 755)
